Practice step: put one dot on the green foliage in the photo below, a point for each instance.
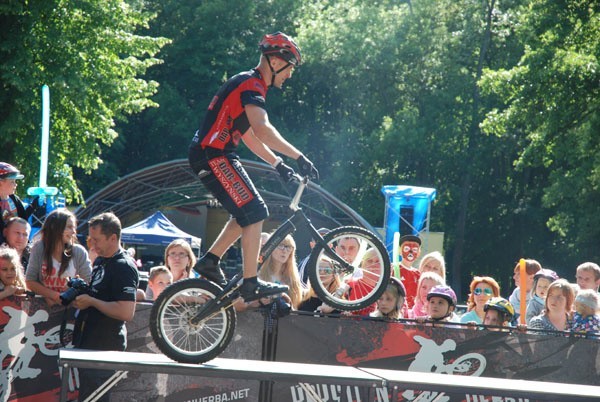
(91, 57)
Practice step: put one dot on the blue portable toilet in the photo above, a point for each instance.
(407, 211)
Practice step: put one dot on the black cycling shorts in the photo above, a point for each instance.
(227, 180)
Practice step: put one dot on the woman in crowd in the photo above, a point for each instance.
(280, 267)
(56, 257)
(427, 281)
(180, 259)
(433, 262)
(483, 288)
(311, 301)
(557, 308)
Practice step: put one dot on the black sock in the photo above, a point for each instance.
(214, 258)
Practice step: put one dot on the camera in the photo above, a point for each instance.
(280, 308)
(77, 286)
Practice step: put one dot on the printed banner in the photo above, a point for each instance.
(29, 343)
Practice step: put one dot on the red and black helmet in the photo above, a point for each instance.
(8, 171)
(281, 45)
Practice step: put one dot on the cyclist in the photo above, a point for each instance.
(236, 112)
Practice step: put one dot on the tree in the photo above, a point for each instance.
(91, 57)
(550, 99)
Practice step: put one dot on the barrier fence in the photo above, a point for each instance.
(29, 344)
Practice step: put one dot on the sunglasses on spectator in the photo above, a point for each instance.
(479, 291)
(325, 271)
(285, 247)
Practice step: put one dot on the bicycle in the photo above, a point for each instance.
(193, 320)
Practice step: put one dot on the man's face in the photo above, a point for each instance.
(347, 248)
(282, 76)
(17, 236)
(587, 280)
(103, 245)
(410, 251)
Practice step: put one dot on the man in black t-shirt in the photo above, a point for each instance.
(110, 302)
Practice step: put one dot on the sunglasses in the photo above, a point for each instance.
(479, 291)
(325, 271)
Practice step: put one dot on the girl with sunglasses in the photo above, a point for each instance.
(311, 301)
(483, 288)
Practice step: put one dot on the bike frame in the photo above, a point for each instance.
(298, 220)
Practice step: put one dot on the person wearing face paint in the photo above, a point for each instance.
(541, 282)
(238, 112)
(410, 248)
(483, 288)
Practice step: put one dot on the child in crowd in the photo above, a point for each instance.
(541, 282)
(10, 204)
(433, 262)
(11, 273)
(557, 309)
(442, 302)
(331, 280)
(588, 276)
(587, 312)
(391, 304)
(410, 249)
(531, 267)
(159, 278)
(426, 282)
(498, 313)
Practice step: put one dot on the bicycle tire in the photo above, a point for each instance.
(176, 336)
(364, 295)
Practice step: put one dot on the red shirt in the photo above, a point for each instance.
(357, 289)
(410, 279)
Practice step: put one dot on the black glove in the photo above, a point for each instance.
(284, 171)
(307, 168)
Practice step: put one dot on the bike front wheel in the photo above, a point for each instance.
(357, 285)
(176, 330)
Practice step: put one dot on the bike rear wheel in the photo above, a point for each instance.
(173, 328)
(360, 285)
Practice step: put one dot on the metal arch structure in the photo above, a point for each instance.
(173, 185)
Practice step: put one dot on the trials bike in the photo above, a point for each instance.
(193, 320)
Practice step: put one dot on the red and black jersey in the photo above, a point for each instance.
(226, 120)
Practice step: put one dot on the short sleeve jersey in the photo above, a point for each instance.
(226, 120)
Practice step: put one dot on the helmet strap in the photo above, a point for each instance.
(273, 72)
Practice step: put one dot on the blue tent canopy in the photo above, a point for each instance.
(156, 230)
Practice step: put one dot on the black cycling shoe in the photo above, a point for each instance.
(254, 291)
(211, 271)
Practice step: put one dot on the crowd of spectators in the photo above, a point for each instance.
(422, 293)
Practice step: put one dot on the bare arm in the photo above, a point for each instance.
(259, 148)
(119, 310)
(52, 296)
(268, 134)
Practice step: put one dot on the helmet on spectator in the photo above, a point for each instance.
(547, 274)
(501, 305)
(397, 289)
(443, 291)
(281, 45)
(8, 171)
